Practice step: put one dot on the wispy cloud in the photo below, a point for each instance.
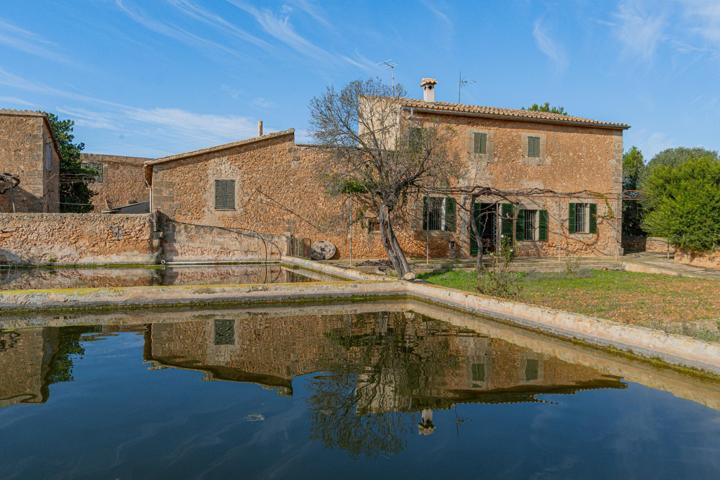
(704, 17)
(172, 31)
(15, 101)
(263, 103)
(548, 46)
(29, 42)
(638, 31)
(313, 11)
(439, 13)
(153, 128)
(281, 29)
(195, 11)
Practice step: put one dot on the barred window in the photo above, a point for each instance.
(439, 214)
(224, 194)
(531, 224)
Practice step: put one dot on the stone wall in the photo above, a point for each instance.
(27, 151)
(704, 260)
(76, 239)
(658, 245)
(183, 242)
(121, 181)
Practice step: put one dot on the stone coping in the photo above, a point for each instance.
(671, 348)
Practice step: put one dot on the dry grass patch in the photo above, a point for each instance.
(689, 306)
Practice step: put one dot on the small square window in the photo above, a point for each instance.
(224, 332)
(480, 143)
(583, 218)
(224, 194)
(533, 147)
(373, 225)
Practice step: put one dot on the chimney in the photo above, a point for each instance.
(428, 86)
(260, 128)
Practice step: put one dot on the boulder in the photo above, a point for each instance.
(322, 250)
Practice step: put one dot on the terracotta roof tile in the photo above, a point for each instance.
(508, 113)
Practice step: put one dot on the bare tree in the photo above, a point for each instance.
(383, 155)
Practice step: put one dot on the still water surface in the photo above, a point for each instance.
(42, 278)
(228, 394)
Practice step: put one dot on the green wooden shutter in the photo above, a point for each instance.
(572, 228)
(480, 143)
(224, 194)
(476, 210)
(520, 225)
(450, 209)
(593, 218)
(533, 147)
(543, 229)
(425, 213)
(507, 220)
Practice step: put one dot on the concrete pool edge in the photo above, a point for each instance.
(640, 341)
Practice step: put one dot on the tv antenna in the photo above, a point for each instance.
(390, 65)
(461, 83)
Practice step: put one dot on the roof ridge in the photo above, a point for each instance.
(503, 112)
(216, 148)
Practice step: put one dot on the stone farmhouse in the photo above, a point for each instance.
(565, 172)
(562, 176)
(29, 153)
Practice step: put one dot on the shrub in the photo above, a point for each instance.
(683, 204)
(497, 280)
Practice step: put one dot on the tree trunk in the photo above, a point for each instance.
(476, 235)
(390, 242)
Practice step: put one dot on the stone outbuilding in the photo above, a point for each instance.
(30, 154)
(119, 183)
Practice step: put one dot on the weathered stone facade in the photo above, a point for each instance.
(279, 187)
(28, 151)
(704, 260)
(119, 182)
(76, 238)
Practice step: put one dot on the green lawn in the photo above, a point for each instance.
(689, 306)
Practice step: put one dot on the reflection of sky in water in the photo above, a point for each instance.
(112, 414)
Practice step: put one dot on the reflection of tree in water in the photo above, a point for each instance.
(390, 362)
(61, 363)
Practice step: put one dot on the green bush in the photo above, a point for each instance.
(683, 204)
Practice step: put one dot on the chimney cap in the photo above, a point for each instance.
(428, 82)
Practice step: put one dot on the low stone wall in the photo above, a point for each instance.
(705, 260)
(658, 245)
(186, 242)
(71, 238)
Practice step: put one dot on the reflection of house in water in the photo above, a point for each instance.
(400, 362)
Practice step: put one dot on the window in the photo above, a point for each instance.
(415, 138)
(582, 218)
(439, 214)
(533, 147)
(224, 194)
(478, 372)
(48, 156)
(480, 143)
(224, 332)
(373, 225)
(532, 225)
(532, 369)
(97, 168)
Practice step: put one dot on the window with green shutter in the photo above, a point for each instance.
(224, 194)
(582, 218)
(533, 147)
(543, 226)
(480, 143)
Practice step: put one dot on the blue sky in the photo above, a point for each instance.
(155, 77)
